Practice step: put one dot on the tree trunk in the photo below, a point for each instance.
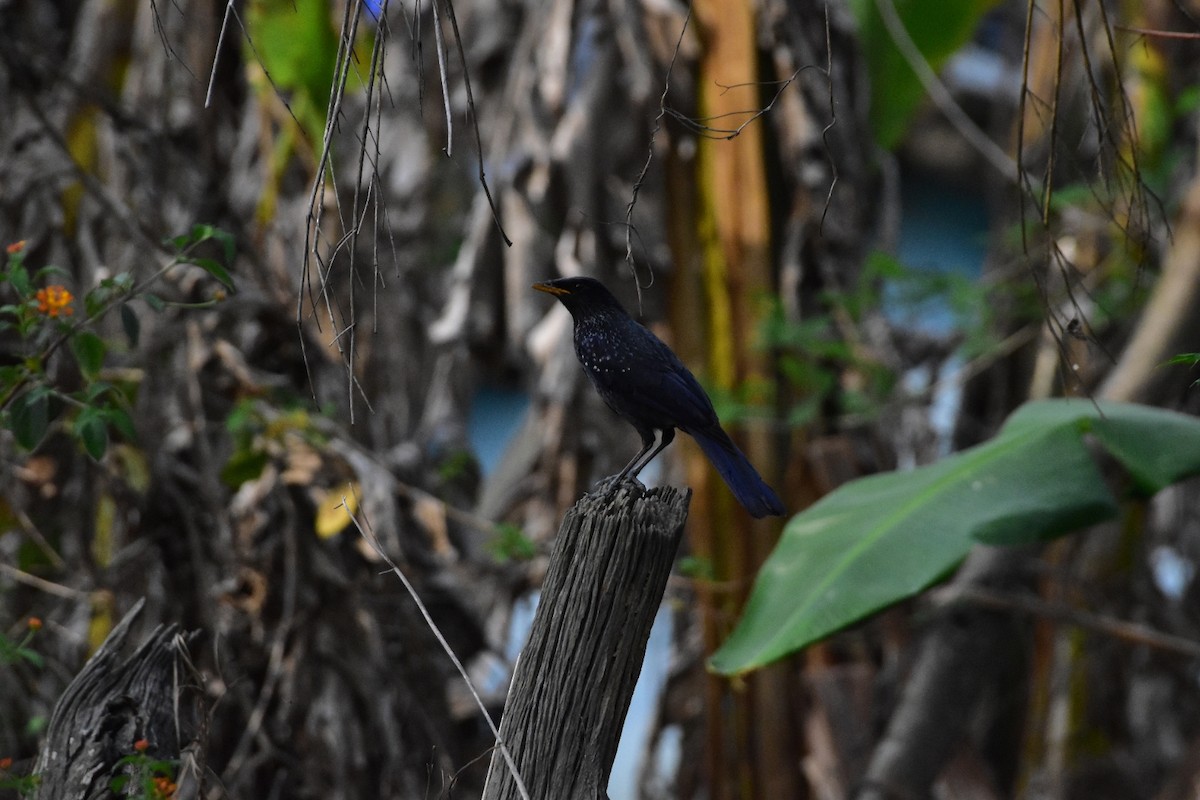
(575, 677)
(113, 705)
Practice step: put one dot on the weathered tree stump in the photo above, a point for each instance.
(575, 677)
(113, 703)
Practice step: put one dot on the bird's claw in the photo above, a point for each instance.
(612, 483)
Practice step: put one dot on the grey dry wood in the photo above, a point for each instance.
(576, 675)
(113, 702)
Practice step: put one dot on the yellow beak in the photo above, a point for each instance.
(548, 289)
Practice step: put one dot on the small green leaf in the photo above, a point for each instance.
(509, 543)
(244, 465)
(12, 373)
(119, 419)
(19, 277)
(32, 656)
(29, 417)
(89, 350)
(201, 233)
(154, 301)
(95, 390)
(228, 247)
(92, 432)
(131, 324)
(212, 267)
(1191, 359)
(93, 302)
(49, 270)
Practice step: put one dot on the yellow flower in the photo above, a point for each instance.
(55, 301)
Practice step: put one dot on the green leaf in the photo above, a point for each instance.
(50, 271)
(509, 543)
(880, 539)
(297, 48)
(214, 268)
(32, 656)
(94, 301)
(154, 301)
(92, 432)
(937, 28)
(119, 419)
(18, 276)
(95, 390)
(244, 465)
(131, 324)
(11, 374)
(89, 350)
(204, 233)
(29, 417)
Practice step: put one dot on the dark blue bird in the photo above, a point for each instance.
(645, 383)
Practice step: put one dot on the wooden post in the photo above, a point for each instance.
(575, 677)
(112, 703)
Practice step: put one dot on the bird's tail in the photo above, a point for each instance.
(738, 473)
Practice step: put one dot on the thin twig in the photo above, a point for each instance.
(462, 57)
(641, 178)
(439, 44)
(212, 75)
(371, 540)
(49, 587)
(940, 95)
(1130, 632)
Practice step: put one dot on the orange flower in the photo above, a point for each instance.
(15, 247)
(34, 623)
(141, 745)
(55, 301)
(5, 763)
(164, 787)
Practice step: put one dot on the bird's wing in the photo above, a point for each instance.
(659, 393)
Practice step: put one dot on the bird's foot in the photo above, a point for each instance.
(612, 483)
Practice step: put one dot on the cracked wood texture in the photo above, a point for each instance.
(576, 675)
(113, 702)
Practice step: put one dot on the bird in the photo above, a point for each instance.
(644, 382)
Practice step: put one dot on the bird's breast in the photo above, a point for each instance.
(602, 354)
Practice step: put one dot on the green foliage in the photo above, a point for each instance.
(697, 568)
(938, 29)
(259, 433)
(296, 45)
(509, 543)
(813, 357)
(11, 652)
(456, 465)
(23, 785)
(44, 321)
(880, 539)
(1190, 359)
(145, 778)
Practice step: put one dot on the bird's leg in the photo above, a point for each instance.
(639, 463)
(647, 444)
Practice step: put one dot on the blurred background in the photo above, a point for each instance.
(266, 255)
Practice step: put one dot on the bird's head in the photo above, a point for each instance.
(582, 295)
